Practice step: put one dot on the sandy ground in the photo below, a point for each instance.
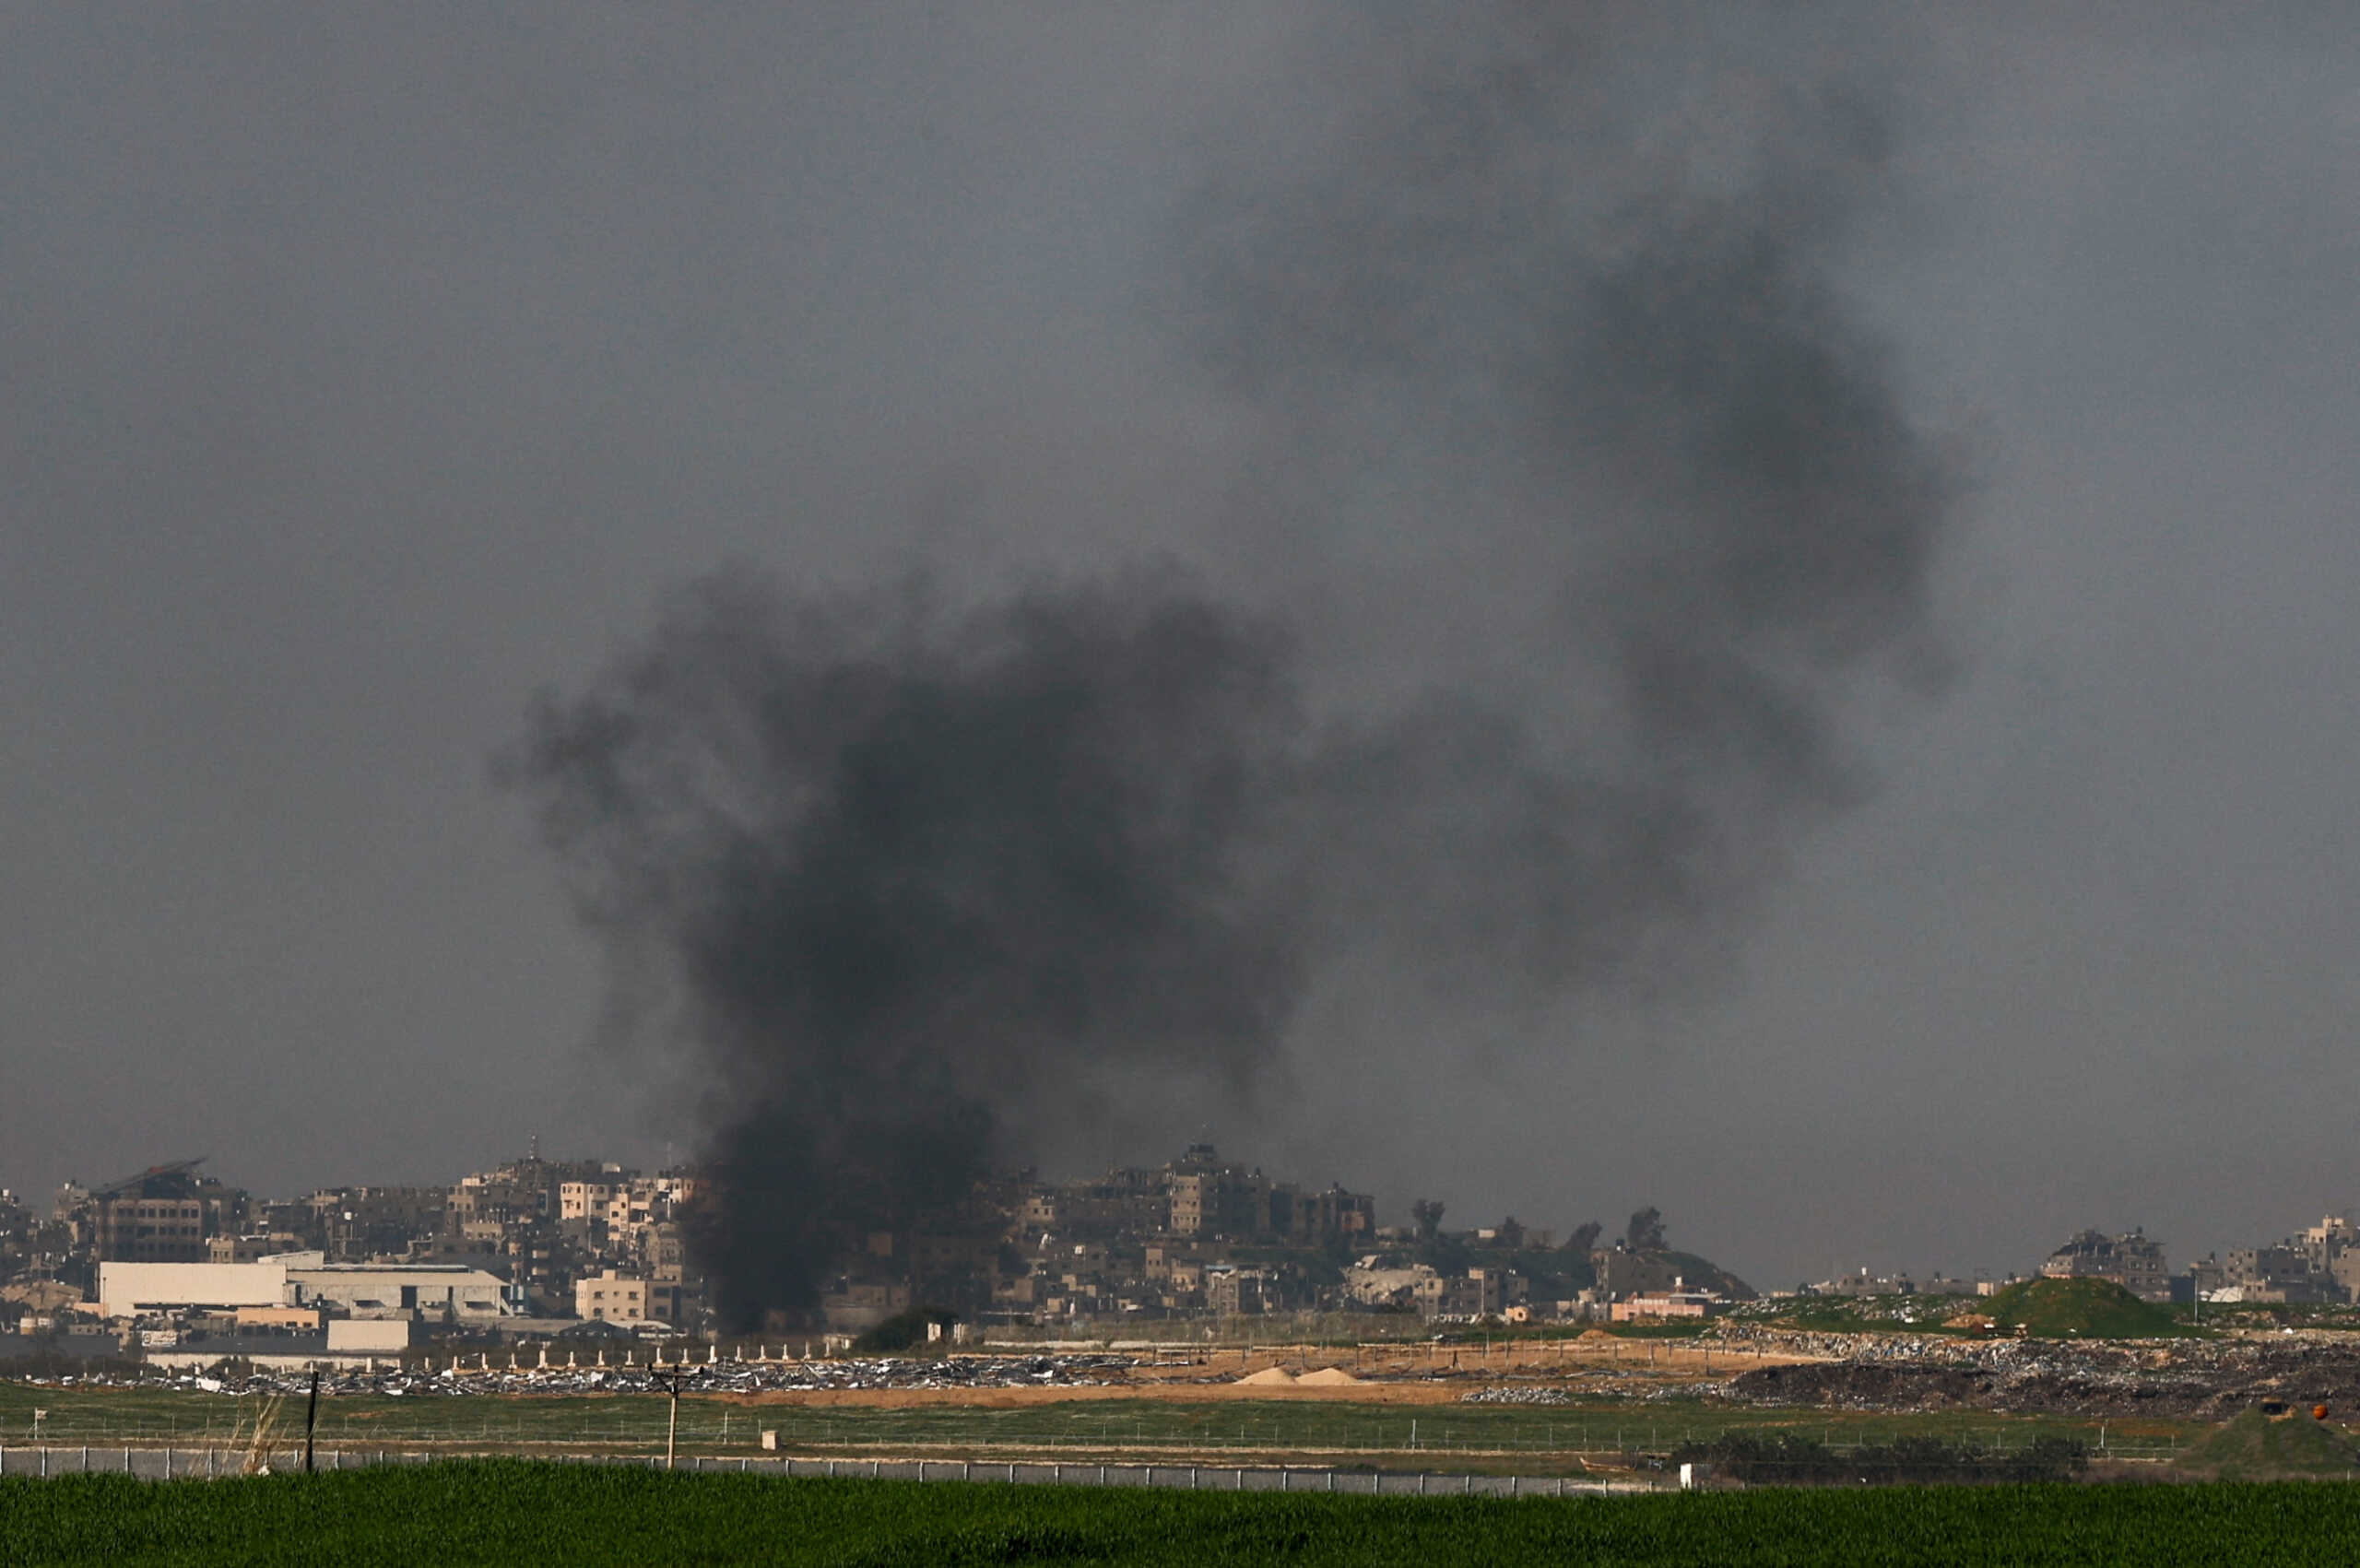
(1437, 1393)
(1397, 1375)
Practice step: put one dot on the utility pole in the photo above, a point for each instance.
(310, 1421)
(671, 1382)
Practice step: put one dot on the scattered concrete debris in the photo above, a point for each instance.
(722, 1377)
(1516, 1397)
(2200, 1380)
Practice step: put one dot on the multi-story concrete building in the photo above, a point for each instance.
(1129, 1201)
(611, 1297)
(251, 1248)
(356, 1224)
(157, 1216)
(1621, 1272)
(1322, 1219)
(1478, 1293)
(1231, 1292)
(1209, 1198)
(2132, 1260)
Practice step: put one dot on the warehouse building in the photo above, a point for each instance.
(447, 1293)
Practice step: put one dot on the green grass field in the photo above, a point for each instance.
(2092, 1309)
(1485, 1437)
(510, 1512)
(2256, 1446)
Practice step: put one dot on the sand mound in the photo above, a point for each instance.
(2261, 1446)
(1269, 1375)
(1329, 1377)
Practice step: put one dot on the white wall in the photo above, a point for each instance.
(371, 1333)
(123, 1287)
(354, 1287)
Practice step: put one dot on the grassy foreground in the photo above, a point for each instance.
(1429, 1436)
(511, 1511)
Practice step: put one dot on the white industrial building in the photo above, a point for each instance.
(432, 1290)
(446, 1292)
(126, 1289)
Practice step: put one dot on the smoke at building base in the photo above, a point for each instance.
(908, 887)
(916, 880)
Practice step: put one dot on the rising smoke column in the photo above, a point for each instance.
(1583, 307)
(910, 882)
(914, 882)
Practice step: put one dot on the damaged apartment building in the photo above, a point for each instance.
(2321, 1264)
(1197, 1235)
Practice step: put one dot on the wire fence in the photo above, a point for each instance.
(640, 1425)
(168, 1462)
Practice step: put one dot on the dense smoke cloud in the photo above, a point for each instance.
(911, 884)
(1601, 341)
(917, 877)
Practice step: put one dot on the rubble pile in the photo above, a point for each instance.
(2188, 1380)
(718, 1377)
(1516, 1397)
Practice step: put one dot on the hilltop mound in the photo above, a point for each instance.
(2257, 1447)
(1329, 1377)
(2081, 1309)
(1269, 1375)
(1704, 1274)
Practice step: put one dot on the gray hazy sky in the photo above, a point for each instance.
(363, 371)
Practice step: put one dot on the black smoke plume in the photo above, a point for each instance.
(916, 880)
(908, 885)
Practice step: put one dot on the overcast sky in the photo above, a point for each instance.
(364, 371)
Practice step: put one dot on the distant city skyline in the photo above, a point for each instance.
(1691, 1233)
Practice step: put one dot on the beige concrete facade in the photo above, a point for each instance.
(611, 1297)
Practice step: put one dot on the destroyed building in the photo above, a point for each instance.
(2132, 1260)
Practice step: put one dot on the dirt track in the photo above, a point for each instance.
(1598, 1365)
(1177, 1393)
